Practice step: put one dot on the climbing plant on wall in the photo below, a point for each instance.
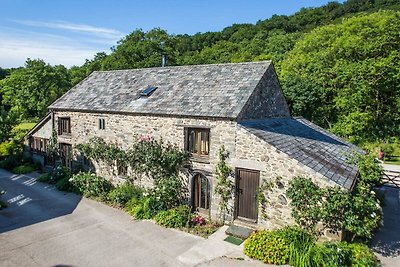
(153, 158)
(224, 185)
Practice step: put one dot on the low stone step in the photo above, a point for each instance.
(239, 231)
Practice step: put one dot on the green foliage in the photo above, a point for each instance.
(60, 177)
(362, 256)
(296, 247)
(370, 172)
(331, 254)
(122, 194)
(345, 76)
(26, 168)
(359, 212)
(223, 188)
(91, 185)
(7, 122)
(29, 90)
(146, 157)
(169, 192)
(174, 218)
(267, 246)
(306, 200)
(144, 208)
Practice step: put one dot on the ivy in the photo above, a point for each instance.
(224, 186)
(262, 196)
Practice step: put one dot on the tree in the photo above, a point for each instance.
(348, 75)
(7, 122)
(28, 91)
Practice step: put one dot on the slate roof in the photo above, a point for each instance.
(217, 90)
(309, 144)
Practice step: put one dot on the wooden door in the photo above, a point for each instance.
(247, 182)
(66, 155)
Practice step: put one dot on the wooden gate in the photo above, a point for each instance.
(247, 182)
(391, 178)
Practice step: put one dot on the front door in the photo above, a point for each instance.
(246, 194)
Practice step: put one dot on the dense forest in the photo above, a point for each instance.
(338, 64)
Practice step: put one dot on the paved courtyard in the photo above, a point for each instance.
(44, 227)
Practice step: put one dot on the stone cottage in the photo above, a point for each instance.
(199, 108)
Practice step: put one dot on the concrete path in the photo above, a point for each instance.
(386, 242)
(391, 167)
(44, 227)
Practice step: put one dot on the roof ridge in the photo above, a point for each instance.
(187, 66)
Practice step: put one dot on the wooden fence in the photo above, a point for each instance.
(391, 178)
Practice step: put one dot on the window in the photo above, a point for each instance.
(38, 145)
(102, 124)
(197, 141)
(64, 126)
(148, 91)
(201, 192)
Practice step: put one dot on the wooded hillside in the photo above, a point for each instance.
(338, 65)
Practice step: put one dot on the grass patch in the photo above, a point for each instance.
(234, 240)
(24, 126)
(395, 160)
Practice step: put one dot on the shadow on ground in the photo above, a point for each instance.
(387, 240)
(30, 202)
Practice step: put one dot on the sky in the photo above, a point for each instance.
(69, 31)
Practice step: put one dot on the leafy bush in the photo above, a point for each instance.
(91, 185)
(144, 208)
(175, 218)
(123, 193)
(267, 246)
(331, 254)
(44, 177)
(300, 244)
(26, 168)
(12, 161)
(169, 192)
(362, 256)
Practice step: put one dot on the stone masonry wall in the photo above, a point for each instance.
(245, 149)
(267, 100)
(122, 129)
(276, 167)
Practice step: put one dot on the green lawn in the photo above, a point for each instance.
(24, 126)
(393, 160)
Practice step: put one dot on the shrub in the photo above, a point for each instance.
(362, 256)
(26, 168)
(169, 192)
(44, 177)
(123, 193)
(331, 254)
(267, 246)
(145, 208)
(91, 185)
(175, 218)
(300, 244)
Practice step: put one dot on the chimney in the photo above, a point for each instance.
(164, 60)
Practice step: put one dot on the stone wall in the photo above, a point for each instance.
(245, 149)
(275, 167)
(267, 100)
(122, 129)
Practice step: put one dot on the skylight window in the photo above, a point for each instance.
(148, 91)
